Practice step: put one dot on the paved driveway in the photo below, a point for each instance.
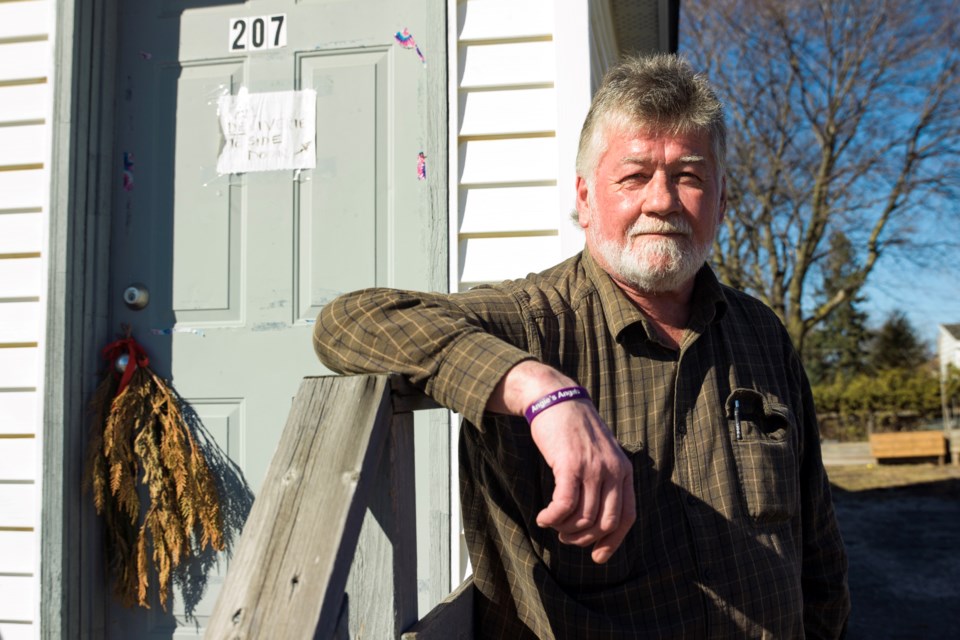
(904, 549)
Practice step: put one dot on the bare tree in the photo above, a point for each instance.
(844, 117)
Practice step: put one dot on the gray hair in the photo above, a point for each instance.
(660, 93)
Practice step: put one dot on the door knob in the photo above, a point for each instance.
(136, 296)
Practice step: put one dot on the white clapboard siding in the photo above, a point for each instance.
(20, 278)
(512, 160)
(23, 189)
(23, 145)
(13, 631)
(483, 259)
(20, 460)
(520, 111)
(503, 19)
(507, 209)
(18, 508)
(16, 597)
(20, 232)
(24, 102)
(506, 65)
(507, 148)
(24, 60)
(18, 413)
(18, 547)
(19, 322)
(18, 19)
(19, 367)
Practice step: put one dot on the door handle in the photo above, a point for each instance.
(136, 296)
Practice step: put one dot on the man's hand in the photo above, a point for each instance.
(593, 501)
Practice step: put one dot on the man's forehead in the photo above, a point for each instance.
(637, 146)
(698, 138)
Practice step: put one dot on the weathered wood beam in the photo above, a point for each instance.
(287, 577)
(381, 591)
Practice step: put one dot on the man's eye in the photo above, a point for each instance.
(689, 177)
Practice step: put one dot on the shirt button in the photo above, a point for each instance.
(707, 574)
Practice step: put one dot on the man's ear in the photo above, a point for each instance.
(583, 202)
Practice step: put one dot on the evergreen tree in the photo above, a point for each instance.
(896, 345)
(838, 347)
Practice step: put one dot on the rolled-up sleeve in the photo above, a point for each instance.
(455, 347)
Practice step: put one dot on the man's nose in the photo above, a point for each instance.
(660, 195)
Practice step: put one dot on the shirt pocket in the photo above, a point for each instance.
(764, 437)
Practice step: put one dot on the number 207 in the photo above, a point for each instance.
(260, 32)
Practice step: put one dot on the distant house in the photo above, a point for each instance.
(948, 353)
(948, 346)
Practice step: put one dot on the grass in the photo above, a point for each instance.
(926, 479)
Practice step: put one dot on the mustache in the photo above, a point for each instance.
(670, 224)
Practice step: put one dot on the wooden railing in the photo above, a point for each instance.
(329, 548)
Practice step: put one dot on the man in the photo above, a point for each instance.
(680, 493)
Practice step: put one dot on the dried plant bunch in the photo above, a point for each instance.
(140, 439)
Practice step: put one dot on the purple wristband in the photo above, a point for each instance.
(555, 397)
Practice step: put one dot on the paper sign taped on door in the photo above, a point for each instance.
(268, 131)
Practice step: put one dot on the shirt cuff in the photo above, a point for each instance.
(469, 372)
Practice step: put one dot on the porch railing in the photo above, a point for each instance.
(329, 548)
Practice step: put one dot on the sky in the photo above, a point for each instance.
(929, 296)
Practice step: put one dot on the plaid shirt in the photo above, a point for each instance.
(735, 534)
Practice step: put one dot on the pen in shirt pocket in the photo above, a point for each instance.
(736, 419)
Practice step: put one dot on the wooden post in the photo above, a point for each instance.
(382, 588)
(287, 577)
(313, 560)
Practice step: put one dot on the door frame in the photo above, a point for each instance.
(73, 587)
(71, 565)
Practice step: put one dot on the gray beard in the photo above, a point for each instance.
(656, 266)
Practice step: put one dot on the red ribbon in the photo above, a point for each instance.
(137, 357)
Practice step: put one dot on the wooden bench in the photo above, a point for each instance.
(908, 444)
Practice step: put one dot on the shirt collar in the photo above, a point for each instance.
(709, 301)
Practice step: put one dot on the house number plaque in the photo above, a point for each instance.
(257, 33)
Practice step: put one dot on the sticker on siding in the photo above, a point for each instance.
(267, 131)
(421, 166)
(257, 33)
